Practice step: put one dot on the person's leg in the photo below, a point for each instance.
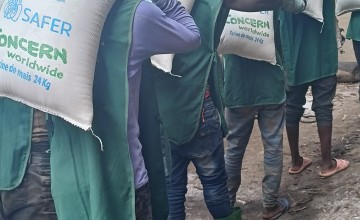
(240, 123)
(294, 110)
(2, 215)
(271, 124)
(212, 174)
(324, 92)
(176, 184)
(13, 200)
(32, 199)
(143, 203)
(356, 46)
(206, 150)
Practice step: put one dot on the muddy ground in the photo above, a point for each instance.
(335, 198)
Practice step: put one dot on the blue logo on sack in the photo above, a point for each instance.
(13, 9)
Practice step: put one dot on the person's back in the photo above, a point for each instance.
(155, 31)
(310, 48)
(191, 113)
(353, 33)
(256, 89)
(132, 33)
(311, 55)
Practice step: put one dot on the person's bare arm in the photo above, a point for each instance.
(295, 6)
(252, 5)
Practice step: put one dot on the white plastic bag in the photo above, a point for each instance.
(249, 35)
(48, 53)
(314, 9)
(164, 61)
(345, 6)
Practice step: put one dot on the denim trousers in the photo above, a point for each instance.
(323, 92)
(271, 123)
(32, 199)
(206, 152)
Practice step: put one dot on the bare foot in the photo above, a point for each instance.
(338, 165)
(296, 169)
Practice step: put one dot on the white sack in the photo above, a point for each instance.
(345, 6)
(164, 61)
(249, 35)
(48, 53)
(314, 9)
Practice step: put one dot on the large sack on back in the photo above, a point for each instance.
(48, 53)
(164, 61)
(345, 6)
(249, 35)
(314, 9)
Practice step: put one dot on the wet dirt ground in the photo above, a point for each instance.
(334, 198)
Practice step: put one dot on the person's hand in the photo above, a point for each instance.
(165, 5)
(295, 6)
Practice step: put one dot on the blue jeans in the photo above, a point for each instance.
(32, 198)
(206, 152)
(323, 91)
(271, 123)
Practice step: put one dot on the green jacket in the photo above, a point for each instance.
(353, 31)
(180, 99)
(88, 183)
(251, 82)
(309, 47)
(15, 142)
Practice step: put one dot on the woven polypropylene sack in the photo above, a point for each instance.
(249, 35)
(345, 6)
(164, 61)
(314, 9)
(48, 53)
